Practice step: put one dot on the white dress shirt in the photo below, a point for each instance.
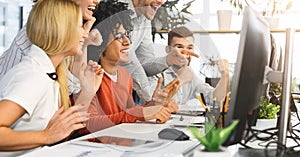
(187, 91)
(28, 85)
(142, 62)
(17, 51)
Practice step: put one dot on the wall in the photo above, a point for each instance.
(226, 45)
(10, 16)
(203, 18)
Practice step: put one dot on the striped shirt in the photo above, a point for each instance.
(18, 49)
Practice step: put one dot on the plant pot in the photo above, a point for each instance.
(224, 19)
(272, 21)
(224, 152)
(263, 124)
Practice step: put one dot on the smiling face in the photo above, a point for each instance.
(78, 37)
(87, 7)
(182, 44)
(148, 8)
(117, 50)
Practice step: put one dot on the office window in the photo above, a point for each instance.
(2, 25)
(17, 12)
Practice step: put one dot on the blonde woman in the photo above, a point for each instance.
(34, 100)
(20, 46)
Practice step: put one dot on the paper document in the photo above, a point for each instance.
(184, 121)
(70, 150)
(191, 105)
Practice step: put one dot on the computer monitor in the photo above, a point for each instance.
(247, 84)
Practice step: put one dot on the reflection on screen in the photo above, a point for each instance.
(119, 141)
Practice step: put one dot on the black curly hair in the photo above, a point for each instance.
(109, 15)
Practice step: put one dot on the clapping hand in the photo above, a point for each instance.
(180, 57)
(94, 38)
(185, 74)
(63, 123)
(171, 89)
(159, 96)
(158, 112)
(90, 77)
(222, 66)
(164, 96)
(189, 53)
(88, 25)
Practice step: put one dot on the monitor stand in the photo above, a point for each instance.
(286, 91)
(285, 78)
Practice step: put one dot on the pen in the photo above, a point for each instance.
(224, 106)
(226, 103)
(202, 101)
(202, 96)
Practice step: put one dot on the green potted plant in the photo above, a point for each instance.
(268, 110)
(170, 15)
(267, 115)
(214, 137)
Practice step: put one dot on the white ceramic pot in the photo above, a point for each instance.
(224, 19)
(263, 124)
(272, 21)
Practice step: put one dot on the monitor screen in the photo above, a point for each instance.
(247, 84)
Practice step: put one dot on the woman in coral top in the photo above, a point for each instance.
(113, 103)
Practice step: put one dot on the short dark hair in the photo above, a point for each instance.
(109, 15)
(181, 32)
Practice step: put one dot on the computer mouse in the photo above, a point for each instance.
(173, 134)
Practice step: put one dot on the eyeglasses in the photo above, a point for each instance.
(121, 36)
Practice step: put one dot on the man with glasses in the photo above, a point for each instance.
(143, 62)
(113, 103)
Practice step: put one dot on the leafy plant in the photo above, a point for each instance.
(268, 110)
(268, 7)
(209, 68)
(170, 15)
(239, 4)
(276, 88)
(214, 137)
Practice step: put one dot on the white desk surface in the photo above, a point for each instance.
(146, 131)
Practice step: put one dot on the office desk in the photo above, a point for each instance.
(146, 131)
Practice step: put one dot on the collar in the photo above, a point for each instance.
(53, 76)
(39, 57)
(114, 78)
(170, 71)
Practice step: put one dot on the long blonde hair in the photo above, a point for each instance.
(50, 26)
